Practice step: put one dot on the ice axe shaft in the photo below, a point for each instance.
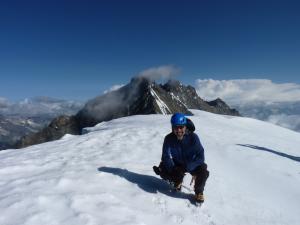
(192, 180)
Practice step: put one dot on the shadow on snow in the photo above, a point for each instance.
(295, 158)
(147, 183)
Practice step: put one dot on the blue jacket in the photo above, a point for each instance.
(187, 153)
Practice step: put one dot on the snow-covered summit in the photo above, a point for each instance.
(105, 176)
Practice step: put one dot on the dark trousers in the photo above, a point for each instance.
(177, 174)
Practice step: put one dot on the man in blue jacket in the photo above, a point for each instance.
(182, 152)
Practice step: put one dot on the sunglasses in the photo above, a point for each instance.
(178, 127)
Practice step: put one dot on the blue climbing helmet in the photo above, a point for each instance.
(178, 119)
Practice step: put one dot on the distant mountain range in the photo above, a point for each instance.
(18, 119)
(140, 96)
(39, 106)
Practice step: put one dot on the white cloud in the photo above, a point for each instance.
(4, 102)
(113, 88)
(257, 98)
(250, 90)
(161, 72)
(288, 121)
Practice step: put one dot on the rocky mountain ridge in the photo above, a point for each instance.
(140, 96)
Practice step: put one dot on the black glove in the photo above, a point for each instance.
(156, 170)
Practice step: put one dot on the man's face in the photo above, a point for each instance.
(179, 131)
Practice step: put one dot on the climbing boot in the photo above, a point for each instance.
(199, 197)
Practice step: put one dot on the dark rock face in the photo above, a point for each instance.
(57, 128)
(190, 98)
(222, 108)
(140, 96)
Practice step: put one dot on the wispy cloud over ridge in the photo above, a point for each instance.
(113, 88)
(163, 72)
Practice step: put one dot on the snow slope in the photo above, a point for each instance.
(105, 176)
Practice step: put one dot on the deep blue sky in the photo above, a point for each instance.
(76, 49)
